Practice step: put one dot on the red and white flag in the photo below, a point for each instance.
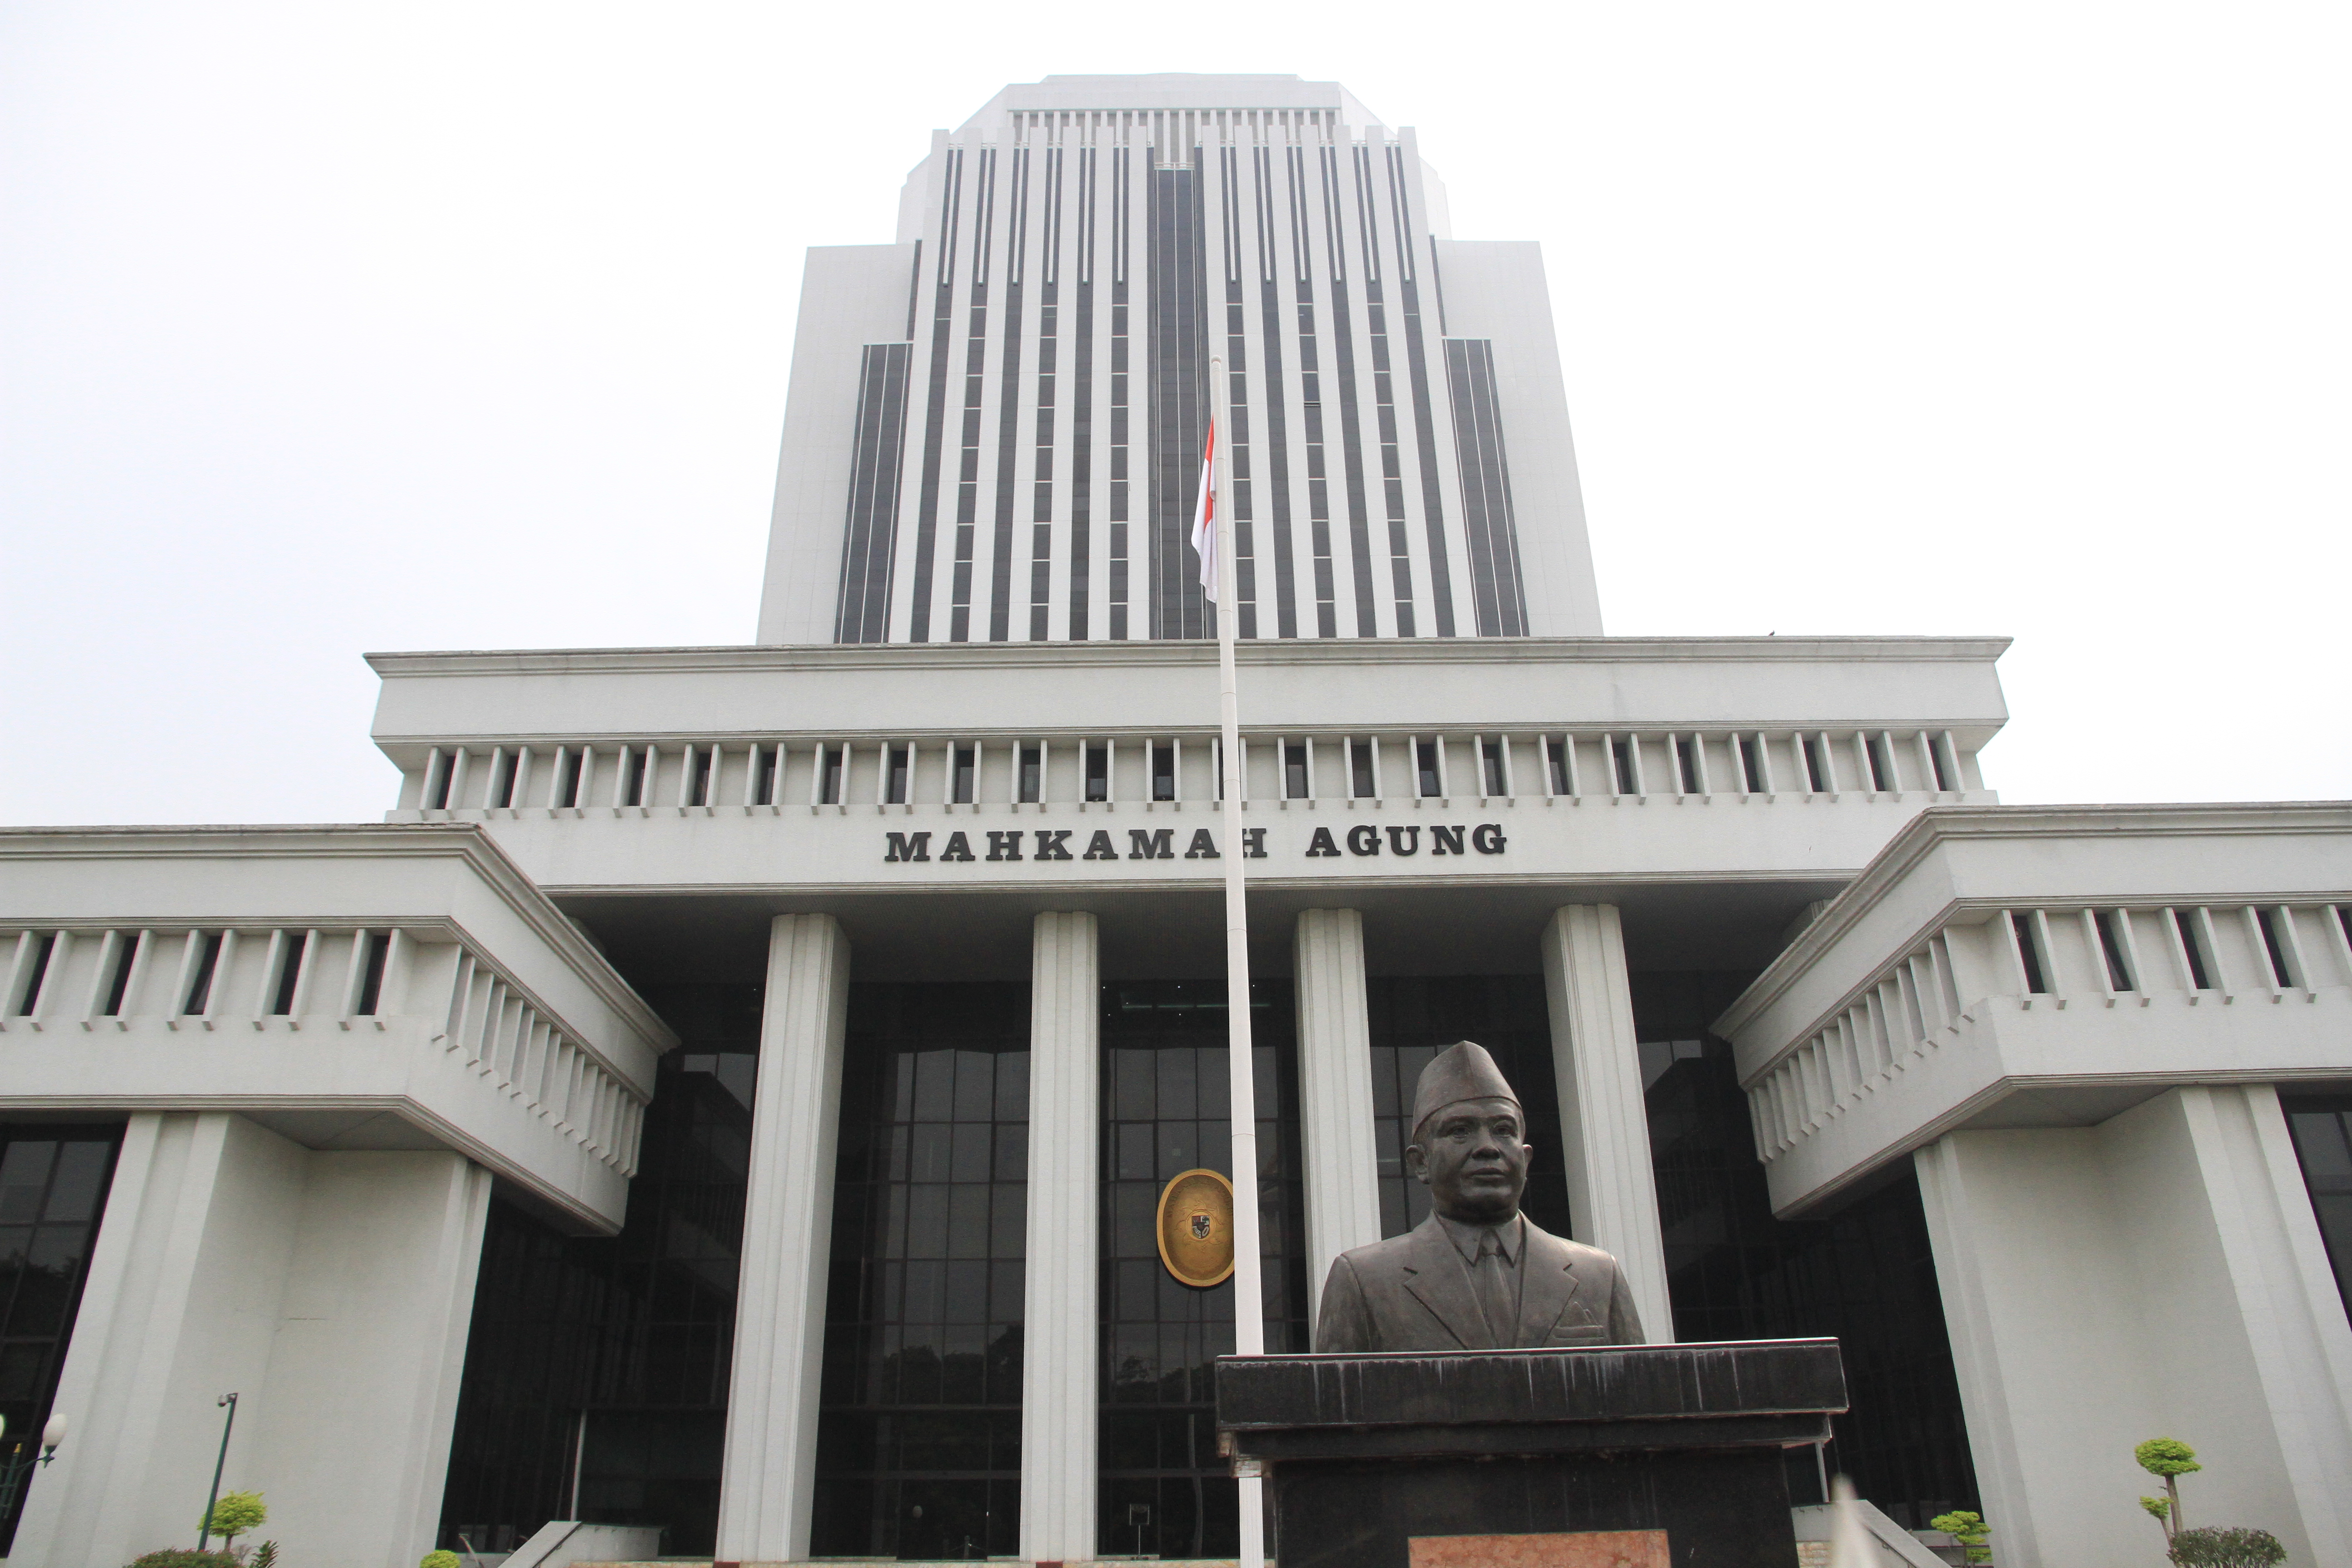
(1204, 517)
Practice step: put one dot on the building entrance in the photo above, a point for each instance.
(1164, 1490)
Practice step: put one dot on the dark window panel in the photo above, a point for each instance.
(635, 1330)
(1165, 1098)
(1865, 1274)
(53, 1184)
(921, 1403)
(1489, 525)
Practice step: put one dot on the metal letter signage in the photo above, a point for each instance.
(1196, 1228)
(1159, 844)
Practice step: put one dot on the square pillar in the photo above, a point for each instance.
(769, 1477)
(1335, 1079)
(333, 1291)
(2161, 1274)
(1612, 1191)
(1061, 1332)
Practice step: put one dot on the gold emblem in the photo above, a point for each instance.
(1196, 1228)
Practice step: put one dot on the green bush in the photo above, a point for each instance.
(233, 1513)
(439, 1560)
(1968, 1527)
(2209, 1548)
(185, 1557)
(2171, 1459)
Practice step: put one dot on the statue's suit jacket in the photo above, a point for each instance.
(1412, 1292)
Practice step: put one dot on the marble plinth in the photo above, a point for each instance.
(1613, 1456)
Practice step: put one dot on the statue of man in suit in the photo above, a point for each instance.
(1476, 1274)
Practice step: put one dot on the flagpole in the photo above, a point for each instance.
(1241, 1060)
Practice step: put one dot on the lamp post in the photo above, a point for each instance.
(19, 1464)
(228, 1424)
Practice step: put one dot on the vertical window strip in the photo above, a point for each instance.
(1276, 415)
(1432, 502)
(1384, 411)
(1008, 399)
(1122, 193)
(975, 379)
(1240, 454)
(1082, 407)
(869, 545)
(1041, 516)
(1490, 527)
(927, 511)
(1177, 257)
(1343, 370)
(1310, 392)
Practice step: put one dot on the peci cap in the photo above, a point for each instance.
(1461, 1071)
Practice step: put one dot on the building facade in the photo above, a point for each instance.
(731, 1089)
(1008, 402)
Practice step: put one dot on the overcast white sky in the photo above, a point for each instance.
(329, 328)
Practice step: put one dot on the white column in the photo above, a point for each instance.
(1612, 1194)
(2161, 1274)
(333, 1291)
(1058, 1396)
(1335, 1081)
(371, 1344)
(769, 1473)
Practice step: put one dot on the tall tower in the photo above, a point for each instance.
(994, 424)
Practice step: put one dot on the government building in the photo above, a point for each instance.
(731, 1089)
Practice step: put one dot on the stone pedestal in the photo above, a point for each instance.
(1666, 1454)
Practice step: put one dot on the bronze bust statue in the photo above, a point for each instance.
(1476, 1274)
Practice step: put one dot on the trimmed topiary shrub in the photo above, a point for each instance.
(233, 1513)
(1968, 1527)
(439, 1560)
(2211, 1548)
(184, 1557)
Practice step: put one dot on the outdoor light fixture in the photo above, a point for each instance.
(19, 1464)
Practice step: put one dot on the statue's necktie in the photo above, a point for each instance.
(1491, 1276)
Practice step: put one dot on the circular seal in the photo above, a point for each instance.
(1196, 1228)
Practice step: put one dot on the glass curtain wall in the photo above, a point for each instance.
(2322, 1128)
(1164, 1491)
(595, 1377)
(53, 1184)
(919, 1447)
(1864, 1273)
(1415, 1018)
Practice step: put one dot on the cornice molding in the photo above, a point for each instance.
(1372, 652)
(1939, 824)
(466, 841)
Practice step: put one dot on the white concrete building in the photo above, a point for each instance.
(730, 1092)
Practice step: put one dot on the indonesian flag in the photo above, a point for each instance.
(1204, 517)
